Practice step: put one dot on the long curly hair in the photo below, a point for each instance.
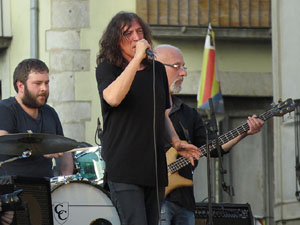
(110, 41)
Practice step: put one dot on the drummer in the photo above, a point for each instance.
(28, 112)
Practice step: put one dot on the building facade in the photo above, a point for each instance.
(256, 59)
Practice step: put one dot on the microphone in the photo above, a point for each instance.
(99, 131)
(149, 52)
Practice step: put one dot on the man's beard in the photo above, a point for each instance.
(31, 101)
(176, 88)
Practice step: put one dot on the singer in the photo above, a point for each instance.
(136, 126)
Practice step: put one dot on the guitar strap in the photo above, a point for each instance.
(186, 133)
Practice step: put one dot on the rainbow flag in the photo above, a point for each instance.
(260, 221)
(209, 86)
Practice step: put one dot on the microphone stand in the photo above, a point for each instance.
(211, 127)
(227, 188)
(208, 170)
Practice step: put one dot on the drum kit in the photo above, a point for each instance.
(76, 199)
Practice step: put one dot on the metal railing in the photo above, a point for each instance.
(220, 13)
(297, 147)
(5, 23)
(1, 19)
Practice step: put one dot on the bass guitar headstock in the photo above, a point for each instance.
(283, 107)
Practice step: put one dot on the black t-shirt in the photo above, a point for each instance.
(128, 140)
(183, 115)
(14, 119)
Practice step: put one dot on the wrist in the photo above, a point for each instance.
(175, 143)
(244, 135)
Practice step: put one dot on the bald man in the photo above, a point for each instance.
(179, 206)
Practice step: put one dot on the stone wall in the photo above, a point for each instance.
(68, 17)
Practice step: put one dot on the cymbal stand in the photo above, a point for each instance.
(27, 153)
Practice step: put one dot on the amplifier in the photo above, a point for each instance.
(35, 197)
(224, 214)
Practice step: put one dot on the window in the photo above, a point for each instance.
(220, 13)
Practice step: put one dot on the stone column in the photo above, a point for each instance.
(286, 80)
(68, 17)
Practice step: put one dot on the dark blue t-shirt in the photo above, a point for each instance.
(14, 119)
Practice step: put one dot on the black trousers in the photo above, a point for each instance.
(136, 205)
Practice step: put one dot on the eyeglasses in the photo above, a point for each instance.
(129, 34)
(176, 66)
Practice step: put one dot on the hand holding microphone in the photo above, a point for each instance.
(149, 52)
(143, 47)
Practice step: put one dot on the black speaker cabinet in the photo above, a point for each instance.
(224, 214)
(35, 197)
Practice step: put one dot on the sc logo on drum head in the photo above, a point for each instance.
(61, 211)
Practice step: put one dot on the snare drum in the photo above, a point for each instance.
(90, 164)
(81, 202)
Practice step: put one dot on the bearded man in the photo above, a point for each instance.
(28, 112)
(179, 205)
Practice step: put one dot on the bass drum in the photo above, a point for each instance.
(82, 203)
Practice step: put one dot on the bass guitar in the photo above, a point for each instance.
(175, 164)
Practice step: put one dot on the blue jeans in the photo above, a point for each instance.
(136, 205)
(173, 214)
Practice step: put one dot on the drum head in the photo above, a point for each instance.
(80, 202)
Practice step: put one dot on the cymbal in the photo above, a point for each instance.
(37, 143)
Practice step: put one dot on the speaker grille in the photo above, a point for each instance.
(36, 196)
(224, 214)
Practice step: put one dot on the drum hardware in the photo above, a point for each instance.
(24, 155)
(84, 151)
(89, 164)
(54, 181)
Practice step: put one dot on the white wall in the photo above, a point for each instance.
(286, 80)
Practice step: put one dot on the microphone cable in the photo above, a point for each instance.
(98, 133)
(95, 137)
(154, 136)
